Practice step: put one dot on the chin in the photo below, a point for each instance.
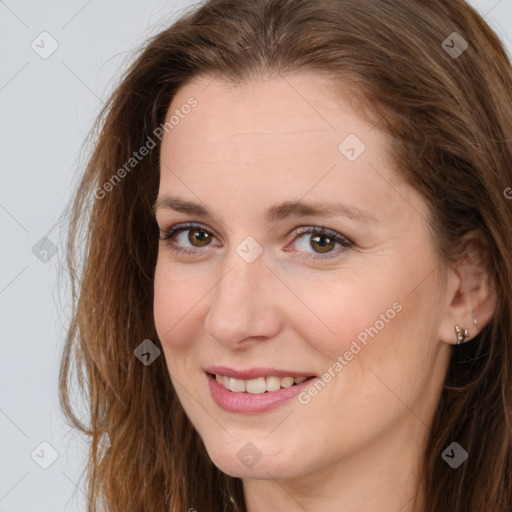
(259, 460)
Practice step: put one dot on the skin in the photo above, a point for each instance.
(357, 444)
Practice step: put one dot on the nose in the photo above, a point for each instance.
(245, 303)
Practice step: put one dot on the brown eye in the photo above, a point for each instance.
(322, 243)
(200, 236)
(186, 238)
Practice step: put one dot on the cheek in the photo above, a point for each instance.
(344, 309)
(386, 329)
(173, 301)
(175, 309)
(374, 317)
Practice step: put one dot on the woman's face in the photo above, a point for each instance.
(261, 297)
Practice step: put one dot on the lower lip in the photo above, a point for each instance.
(249, 403)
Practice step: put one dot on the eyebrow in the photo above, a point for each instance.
(273, 213)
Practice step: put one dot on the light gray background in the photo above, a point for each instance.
(46, 110)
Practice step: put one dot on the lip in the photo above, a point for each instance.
(254, 373)
(248, 403)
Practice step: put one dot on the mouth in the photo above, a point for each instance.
(258, 385)
(259, 391)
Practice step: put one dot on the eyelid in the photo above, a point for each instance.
(167, 233)
(318, 230)
(183, 226)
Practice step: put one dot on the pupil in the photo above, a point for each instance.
(200, 236)
(325, 246)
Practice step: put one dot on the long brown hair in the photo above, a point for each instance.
(447, 109)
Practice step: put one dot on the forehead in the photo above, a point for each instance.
(294, 97)
(243, 148)
(295, 117)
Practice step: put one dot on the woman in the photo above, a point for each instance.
(296, 289)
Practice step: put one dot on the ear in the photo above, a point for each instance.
(471, 294)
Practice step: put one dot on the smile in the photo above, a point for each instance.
(259, 385)
(262, 392)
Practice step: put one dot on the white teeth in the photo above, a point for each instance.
(237, 385)
(256, 386)
(273, 383)
(286, 382)
(259, 385)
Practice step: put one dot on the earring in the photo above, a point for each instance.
(462, 334)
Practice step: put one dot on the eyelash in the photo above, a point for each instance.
(313, 230)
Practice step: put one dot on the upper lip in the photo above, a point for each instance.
(254, 373)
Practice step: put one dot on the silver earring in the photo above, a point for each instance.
(462, 334)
